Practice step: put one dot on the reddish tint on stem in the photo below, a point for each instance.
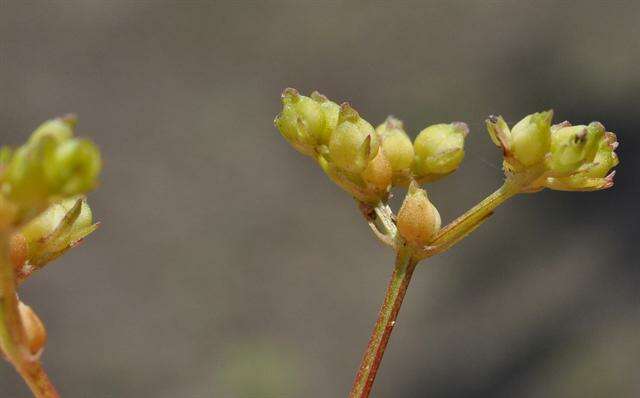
(405, 265)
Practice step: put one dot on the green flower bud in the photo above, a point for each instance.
(293, 130)
(499, 133)
(331, 112)
(396, 144)
(439, 150)
(74, 167)
(51, 165)
(307, 122)
(418, 219)
(61, 226)
(23, 179)
(353, 143)
(530, 138)
(378, 173)
(573, 146)
(606, 158)
(60, 129)
(591, 176)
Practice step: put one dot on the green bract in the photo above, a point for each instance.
(57, 229)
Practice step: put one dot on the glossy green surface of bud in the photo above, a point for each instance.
(573, 146)
(591, 176)
(396, 144)
(330, 112)
(74, 167)
(530, 138)
(50, 166)
(439, 149)
(307, 122)
(353, 143)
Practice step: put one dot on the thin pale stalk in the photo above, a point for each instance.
(13, 340)
(396, 290)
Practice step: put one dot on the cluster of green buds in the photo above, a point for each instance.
(52, 165)
(368, 162)
(41, 188)
(540, 155)
(364, 161)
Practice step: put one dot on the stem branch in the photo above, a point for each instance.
(404, 267)
(462, 226)
(13, 339)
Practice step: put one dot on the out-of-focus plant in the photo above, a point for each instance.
(368, 162)
(43, 213)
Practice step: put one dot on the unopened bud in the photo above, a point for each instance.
(378, 172)
(499, 132)
(57, 229)
(396, 144)
(439, 149)
(353, 143)
(574, 146)
(530, 138)
(74, 167)
(591, 176)
(418, 219)
(50, 166)
(330, 111)
(60, 129)
(307, 122)
(34, 329)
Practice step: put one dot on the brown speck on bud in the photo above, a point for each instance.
(34, 329)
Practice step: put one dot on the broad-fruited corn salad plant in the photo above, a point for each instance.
(43, 213)
(368, 162)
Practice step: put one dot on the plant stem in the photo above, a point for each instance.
(470, 220)
(13, 339)
(404, 267)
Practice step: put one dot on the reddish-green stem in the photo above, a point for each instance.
(404, 267)
(13, 340)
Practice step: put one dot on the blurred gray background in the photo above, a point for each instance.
(228, 265)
